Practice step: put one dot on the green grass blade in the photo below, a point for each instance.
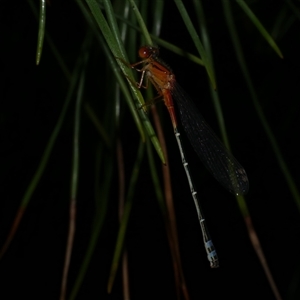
(215, 96)
(114, 47)
(41, 33)
(47, 152)
(191, 29)
(114, 67)
(241, 59)
(110, 14)
(259, 26)
(155, 179)
(52, 46)
(93, 117)
(74, 180)
(102, 200)
(252, 234)
(53, 137)
(158, 8)
(193, 58)
(125, 217)
(155, 38)
(141, 23)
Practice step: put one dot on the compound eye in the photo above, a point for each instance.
(145, 52)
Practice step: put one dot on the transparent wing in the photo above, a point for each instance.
(213, 154)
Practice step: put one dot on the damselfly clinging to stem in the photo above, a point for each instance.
(213, 154)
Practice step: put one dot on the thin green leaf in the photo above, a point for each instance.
(259, 26)
(53, 137)
(125, 217)
(47, 152)
(101, 199)
(52, 46)
(259, 110)
(155, 179)
(215, 96)
(114, 47)
(110, 14)
(93, 117)
(41, 33)
(158, 7)
(191, 29)
(294, 8)
(74, 180)
(159, 41)
(141, 23)
(242, 205)
(179, 51)
(114, 66)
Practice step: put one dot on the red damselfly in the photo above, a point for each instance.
(213, 154)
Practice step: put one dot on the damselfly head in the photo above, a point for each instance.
(147, 51)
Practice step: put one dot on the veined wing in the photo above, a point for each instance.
(211, 151)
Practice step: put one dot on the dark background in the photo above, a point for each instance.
(31, 98)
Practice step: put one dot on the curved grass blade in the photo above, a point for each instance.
(215, 96)
(93, 117)
(158, 8)
(259, 26)
(240, 56)
(46, 155)
(110, 14)
(141, 23)
(125, 217)
(294, 8)
(101, 199)
(191, 29)
(121, 201)
(160, 42)
(42, 23)
(114, 47)
(74, 181)
(41, 33)
(193, 58)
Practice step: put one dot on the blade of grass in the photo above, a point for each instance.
(125, 218)
(279, 24)
(240, 56)
(121, 202)
(93, 117)
(161, 42)
(259, 26)
(215, 96)
(41, 33)
(112, 43)
(51, 44)
(191, 29)
(46, 154)
(111, 40)
(101, 199)
(141, 23)
(158, 8)
(104, 163)
(294, 8)
(179, 51)
(74, 181)
(282, 164)
(112, 22)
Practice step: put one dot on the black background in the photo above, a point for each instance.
(31, 99)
